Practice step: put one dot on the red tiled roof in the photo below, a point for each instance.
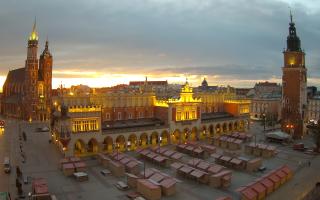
(249, 193)
(258, 187)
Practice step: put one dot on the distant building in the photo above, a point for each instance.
(314, 109)
(311, 91)
(266, 88)
(243, 92)
(265, 107)
(27, 91)
(294, 86)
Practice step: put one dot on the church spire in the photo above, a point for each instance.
(46, 51)
(34, 34)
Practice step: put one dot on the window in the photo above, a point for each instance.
(85, 125)
(193, 114)
(187, 115)
(119, 115)
(108, 116)
(140, 114)
(178, 116)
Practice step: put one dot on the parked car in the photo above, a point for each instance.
(43, 129)
(262, 169)
(6, 165)
(105, 172)
(121, 185)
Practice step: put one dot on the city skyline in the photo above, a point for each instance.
(237, 49)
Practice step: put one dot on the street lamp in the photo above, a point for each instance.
(264, 123)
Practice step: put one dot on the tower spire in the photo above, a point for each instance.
(34, 34)
(293, 41)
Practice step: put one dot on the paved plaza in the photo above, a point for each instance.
(42, 160)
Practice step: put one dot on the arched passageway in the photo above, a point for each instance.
(164, 138)
(120, 143)
(132, 142)
(79, 147)
(93, 146)
(175, 137)
(143, 140)
(154, 138)
(108, 144)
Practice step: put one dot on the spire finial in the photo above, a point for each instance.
(34, 24)
(291, 21)
(34, 34)
(47, 44)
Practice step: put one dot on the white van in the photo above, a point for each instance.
(6, 164)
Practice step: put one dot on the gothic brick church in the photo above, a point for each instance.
(27, 90)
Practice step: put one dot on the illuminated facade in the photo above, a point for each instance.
(27, 91)
(294, 86)
(128, 119)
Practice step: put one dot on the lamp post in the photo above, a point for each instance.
(117, 148)
(264, 122)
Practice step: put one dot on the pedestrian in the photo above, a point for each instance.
(309, 163)
(24, 136)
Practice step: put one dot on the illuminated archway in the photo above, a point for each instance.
(164, 138)
(211, 130)
(224, 128)
(93, 146)
(108, 144)
(218, 129)
(154, 138)
(236, 126)
(241, 125)
(193, 135)
(120, 143)
(203, 133)
(175, 137)
(143, 140)
(132, 142)
(230, 127)
(185, 136)
(79, 147)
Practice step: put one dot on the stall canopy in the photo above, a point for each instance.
(278, 135)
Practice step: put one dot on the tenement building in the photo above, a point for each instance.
(294, 86)
(27, 90)
(132, 118)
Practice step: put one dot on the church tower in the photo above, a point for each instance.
(45, 82)
(294, 85)
(31, 76)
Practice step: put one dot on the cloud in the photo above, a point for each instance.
(238, 39)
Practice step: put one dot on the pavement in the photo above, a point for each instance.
(42, 160)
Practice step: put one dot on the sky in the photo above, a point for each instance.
(106, 42)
